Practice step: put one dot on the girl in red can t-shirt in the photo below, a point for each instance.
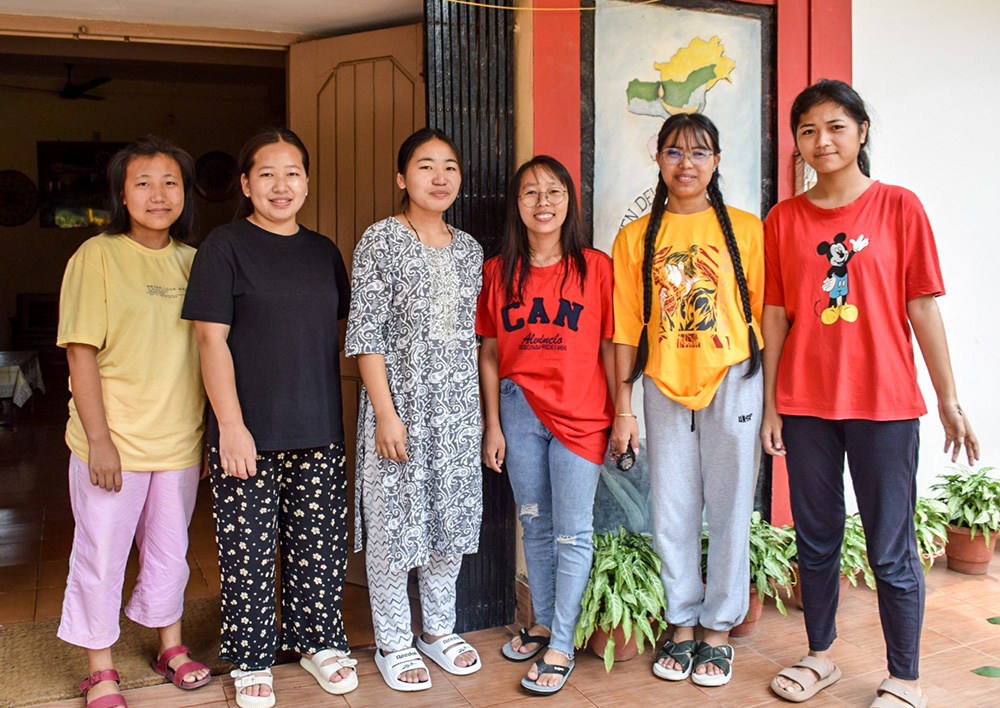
(545, 318)
(851, 267)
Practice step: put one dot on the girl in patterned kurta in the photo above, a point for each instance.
(415, 282)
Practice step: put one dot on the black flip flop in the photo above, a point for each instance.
(543, 668)
(511, 654)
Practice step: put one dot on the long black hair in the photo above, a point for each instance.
(248, 155)
(841, 94)
(703, 132)
(515, 253)
(149, 146)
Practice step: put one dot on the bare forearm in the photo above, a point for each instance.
(608, 359)
(624, 362)
(489, 381)
(219, 376)
(928, 327)
(774, 327)
(372, 369)
(88, 394)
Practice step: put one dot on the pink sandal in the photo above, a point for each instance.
(177, 676)
(115, 700)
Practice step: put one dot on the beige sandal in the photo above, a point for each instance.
(908, 694)
(812, 674)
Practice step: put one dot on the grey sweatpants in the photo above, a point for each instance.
(711, 468)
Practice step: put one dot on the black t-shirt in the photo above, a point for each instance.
(282, 297)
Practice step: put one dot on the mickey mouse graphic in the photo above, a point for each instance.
(836, 277)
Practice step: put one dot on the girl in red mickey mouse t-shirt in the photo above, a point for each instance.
(851, 266)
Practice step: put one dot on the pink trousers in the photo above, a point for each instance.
(155, 509)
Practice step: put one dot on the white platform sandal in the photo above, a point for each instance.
(245, 679)
(314, 665)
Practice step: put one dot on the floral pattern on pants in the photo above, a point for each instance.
(297, 502)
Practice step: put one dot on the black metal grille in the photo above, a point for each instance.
(470, 85)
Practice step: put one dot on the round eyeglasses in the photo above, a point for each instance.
(533, 197)
(675, 156)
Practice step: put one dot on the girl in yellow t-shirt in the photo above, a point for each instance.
(701, 264)
(135, 427)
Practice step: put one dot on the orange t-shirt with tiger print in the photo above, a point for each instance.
(697, 328)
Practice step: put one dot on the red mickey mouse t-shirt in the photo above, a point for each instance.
(550, 346)
(844, 276)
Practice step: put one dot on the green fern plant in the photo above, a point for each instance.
(624, 590)
(854, 553)
(972, 498)
(931, 523)
(772, 550)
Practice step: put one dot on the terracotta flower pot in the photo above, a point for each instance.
(623, 650)
(969, 555)
(749, 624)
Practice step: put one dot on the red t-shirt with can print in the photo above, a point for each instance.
(844, 276)
(549, 344)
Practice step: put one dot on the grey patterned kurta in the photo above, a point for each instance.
(416, 305)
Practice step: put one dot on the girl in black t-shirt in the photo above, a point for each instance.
(269, 298)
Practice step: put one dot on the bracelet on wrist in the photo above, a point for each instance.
(625, 415)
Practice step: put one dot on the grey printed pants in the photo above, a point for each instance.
(387, 588)
(711, 469)
(296, 502)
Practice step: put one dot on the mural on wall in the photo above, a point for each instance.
(650, 62)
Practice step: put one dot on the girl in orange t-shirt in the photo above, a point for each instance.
(851, 267)
(545, 318)
(688, 296)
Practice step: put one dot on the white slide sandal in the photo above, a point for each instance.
(395, 663)
(443, 653)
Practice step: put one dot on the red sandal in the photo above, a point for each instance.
(177, 676)
(115, 700)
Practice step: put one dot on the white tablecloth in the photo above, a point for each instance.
(19, 374)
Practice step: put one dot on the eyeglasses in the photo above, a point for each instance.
(674, 156)
(533, 197)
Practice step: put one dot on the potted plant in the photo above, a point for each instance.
(931, 523)
(623, 601)
(973, 501)
(772, 549)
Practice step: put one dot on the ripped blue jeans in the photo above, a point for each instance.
(554, 490)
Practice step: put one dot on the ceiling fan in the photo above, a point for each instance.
(73, 91)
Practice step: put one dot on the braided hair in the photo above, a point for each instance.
(700, 127)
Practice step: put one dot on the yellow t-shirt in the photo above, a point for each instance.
(697, 328)
(125, 299)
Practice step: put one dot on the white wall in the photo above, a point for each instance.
(928, 71)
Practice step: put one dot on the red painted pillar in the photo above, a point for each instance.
(814, 42)
(556, 91)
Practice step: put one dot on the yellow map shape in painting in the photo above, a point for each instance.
(696, 55)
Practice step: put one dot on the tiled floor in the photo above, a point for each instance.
(956, 639)
(36, 530)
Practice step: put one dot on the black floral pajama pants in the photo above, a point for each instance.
(298, 502)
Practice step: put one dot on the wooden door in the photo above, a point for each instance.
(353, 100)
